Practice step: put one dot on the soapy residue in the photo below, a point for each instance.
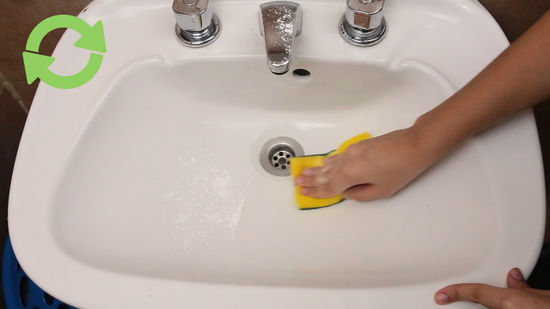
(208, 202)
(284, 24)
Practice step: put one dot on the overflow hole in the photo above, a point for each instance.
(301, 73)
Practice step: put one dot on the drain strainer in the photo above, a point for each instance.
(276, 154)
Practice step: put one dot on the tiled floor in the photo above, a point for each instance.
(18, 17)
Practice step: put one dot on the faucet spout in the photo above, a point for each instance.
(280, 23)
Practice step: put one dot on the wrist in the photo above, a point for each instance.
(433, 137)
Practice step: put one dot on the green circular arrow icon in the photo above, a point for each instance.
(36, 65)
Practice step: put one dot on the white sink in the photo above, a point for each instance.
(143, 188)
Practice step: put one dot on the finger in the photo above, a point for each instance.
(515, 279)
(326, 186)
(311, 171)
(312, 181)
(363, 192)
(305, 181)
(331, 159)
(326, 168)
(315, 176)
(486, 295)
(318, 192)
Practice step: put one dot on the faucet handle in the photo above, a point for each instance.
(363, 23)
(364, 14)
(192, 15)
(196, 24)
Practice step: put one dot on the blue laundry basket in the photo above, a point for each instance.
(19, 290)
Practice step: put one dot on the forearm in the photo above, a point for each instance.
(519, 78)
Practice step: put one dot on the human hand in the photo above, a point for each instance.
(518, 295)
(370, 169)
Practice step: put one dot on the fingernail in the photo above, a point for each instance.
(304, 191)
(307, 172)
(441, 298)
(516, 274)
(300, 180)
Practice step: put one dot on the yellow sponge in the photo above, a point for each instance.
(297, 164)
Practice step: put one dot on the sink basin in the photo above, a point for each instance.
(143, 188)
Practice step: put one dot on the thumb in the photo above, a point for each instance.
(515, 279)
(363, 192)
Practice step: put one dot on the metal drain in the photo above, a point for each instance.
(276, 154)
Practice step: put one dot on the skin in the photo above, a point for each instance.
(379, 167)
(518, 295)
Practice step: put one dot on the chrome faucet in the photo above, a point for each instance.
(196, 24)
(363, 23)
(280, 23)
